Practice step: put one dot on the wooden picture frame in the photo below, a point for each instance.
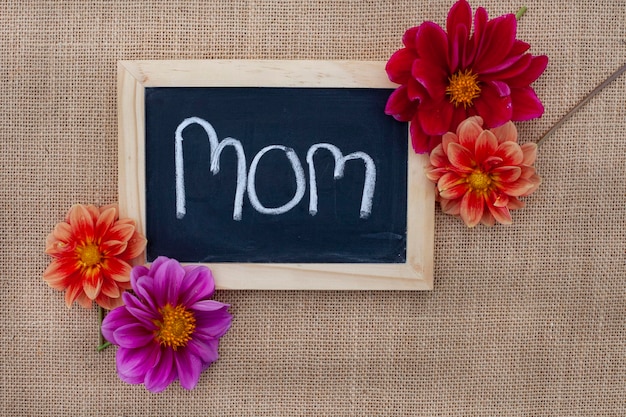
(134, 76)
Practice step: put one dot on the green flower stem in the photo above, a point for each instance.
(581, 103)
(520, 12)
(102, 344)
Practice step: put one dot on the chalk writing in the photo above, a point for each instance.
(246, 181)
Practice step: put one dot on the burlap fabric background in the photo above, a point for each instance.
(524, 320)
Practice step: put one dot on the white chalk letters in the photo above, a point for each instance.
(247, 180)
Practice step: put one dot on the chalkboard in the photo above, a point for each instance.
(259, 169)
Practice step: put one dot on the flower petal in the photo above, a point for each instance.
(208, 305)
(468, 131)
(451, 186)
(485, 145)
(162, 374)
(419, 140)
(408, 39)
(114, 320)
(133, 336)
(142, 312)
(436, 119)
(494, 107)
(530, 153)
(399, 65)
(459, 16)
(136, 246)
(188, 367)
(212, 324)
(106, 219)
(461, 158)
(518, 188)
(510, 152)
(536, 67)
(167, 280)
(134, 364)
(116, 269)
(498, 39)
(72, 292)
(438, 158)
(431, 44)
(526, 104)
(120, 231)
(431, 76)
(112, 247)
(506, 132)
(205, 350)
(501, 214)
(59, 271)
(506, 173)
(399, 106)
(472, 207)
(92, 283)
(198, 284)
(81, 223)
(137, 272)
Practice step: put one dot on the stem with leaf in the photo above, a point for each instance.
(102, 344)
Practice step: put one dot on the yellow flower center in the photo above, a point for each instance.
(176, 327)
(479, 181)
(89, 254)
(463, 88)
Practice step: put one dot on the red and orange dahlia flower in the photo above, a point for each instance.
(92, 251)
(480, 173)
(448, 76)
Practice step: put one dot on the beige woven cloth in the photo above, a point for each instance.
(525, 320)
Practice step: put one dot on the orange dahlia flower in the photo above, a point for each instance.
(92, 251)
(480, 173)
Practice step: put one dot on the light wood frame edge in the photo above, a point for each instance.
(134, 76)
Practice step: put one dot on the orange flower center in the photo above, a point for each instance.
(463, 88)
(478, 181)
(89, 254)
(176, 327)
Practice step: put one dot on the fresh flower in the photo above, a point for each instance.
(448, 76)
(92, 251)
(480, 173)
(170, 328)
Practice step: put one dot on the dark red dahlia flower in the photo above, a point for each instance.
(448, 77)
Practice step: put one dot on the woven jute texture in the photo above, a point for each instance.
(524, 320)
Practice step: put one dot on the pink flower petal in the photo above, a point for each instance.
(92, 283)
(206, 350)
(167, 282)
(162, 374)
(198, 284)
(188, 367)
(114, 320)
(472, 207)
(438, 159)
(133, 335)
(516, 189)
(526, 104)
(134, 364)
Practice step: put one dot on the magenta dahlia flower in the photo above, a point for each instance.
(169, 329)
(447, 77)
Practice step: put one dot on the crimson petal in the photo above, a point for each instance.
(399, 106)
(499, 38)
(399, 65)
(526, 104)
(494, 108)
(436, 120)
(536, 67)
(459, 17)
(432, 44)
